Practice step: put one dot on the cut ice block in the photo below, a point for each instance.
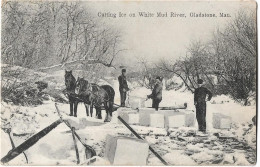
(126, 151)
(217, 119)
(225, 123)
(176, 121)
(148, 103)
(189, 119)
(125, 114)
(133, 119)
(189, 116)
(157, 120)
(136, 103)
(167, 114)
(144, 114)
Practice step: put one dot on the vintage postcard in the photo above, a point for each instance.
(90, 82)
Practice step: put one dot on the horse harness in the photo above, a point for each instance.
(94, 101)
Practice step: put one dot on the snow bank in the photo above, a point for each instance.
(57, 147)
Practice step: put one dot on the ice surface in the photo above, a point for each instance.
(57, 147)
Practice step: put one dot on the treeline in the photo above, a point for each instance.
(227, 62)
(45, 35)
(49, 36)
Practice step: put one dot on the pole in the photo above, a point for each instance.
(139, 137)
(75, 144)
(89, 148)
(30, 142)
(173, 107)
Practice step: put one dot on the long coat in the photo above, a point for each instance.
(157, 92)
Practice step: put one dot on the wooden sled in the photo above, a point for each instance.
(173, 107)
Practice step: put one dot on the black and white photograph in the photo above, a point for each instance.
(128, 83)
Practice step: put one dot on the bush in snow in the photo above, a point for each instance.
(41, 85)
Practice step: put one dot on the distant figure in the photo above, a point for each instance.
(200, 103)
(156, 95)
(123, 87)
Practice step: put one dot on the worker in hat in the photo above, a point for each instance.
(200, 98)
(123, 87)
(156, 95)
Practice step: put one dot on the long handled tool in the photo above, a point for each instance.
(139, 137)
(30, 142)
(75, 144)
(91, 151)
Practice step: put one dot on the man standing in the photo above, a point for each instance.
(123, 87)
(200, 103)
(156, 93)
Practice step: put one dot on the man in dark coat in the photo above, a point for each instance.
(156, 93)
(123, 87)
(200, 103)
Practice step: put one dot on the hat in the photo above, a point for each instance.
(200, 81)
(123, 70)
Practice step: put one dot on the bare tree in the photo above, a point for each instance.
(230, 56)
(45, 35)
(235, 49)
(178, 69)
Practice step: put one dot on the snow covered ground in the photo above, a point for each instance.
(177, 146)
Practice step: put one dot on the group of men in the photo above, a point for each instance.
(201, 96)
(156, 95)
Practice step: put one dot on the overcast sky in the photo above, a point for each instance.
(156, 38)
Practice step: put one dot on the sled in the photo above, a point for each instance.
(30, 142)
(173, 107)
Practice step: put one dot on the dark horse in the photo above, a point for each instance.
(71, 85)
(97, 96)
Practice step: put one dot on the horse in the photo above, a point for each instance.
(70, 83)
(97, 96)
